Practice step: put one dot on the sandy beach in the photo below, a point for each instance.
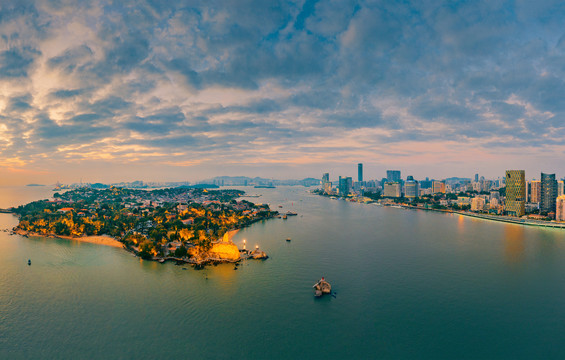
(95, 239)
(232, 233)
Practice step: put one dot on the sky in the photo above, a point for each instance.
(109, 91)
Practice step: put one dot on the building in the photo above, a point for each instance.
(548, 193)
(560, 188)
(412, 189)
(393, 176)
(326, 183)
(438, 187)
(515, 192)
(345, 185)
(360, 173)
(392, 189)
(560, 208)
(477, 203)
(425, 184)
(535, 191)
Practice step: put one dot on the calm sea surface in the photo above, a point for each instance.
(410, 284)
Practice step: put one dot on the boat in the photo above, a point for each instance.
(290, 213)
(288, 239)
(284, 217)
(322, 287)
(280, 206)
(29, 262)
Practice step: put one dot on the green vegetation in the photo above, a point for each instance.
(150, 222)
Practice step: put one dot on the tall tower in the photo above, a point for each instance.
(548, 193)
(360, 172)
(393, 175)
(326, 184)
(535, 191)
(515, 192)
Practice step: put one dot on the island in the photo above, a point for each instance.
(186, 225)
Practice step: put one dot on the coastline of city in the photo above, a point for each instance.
(510, 199)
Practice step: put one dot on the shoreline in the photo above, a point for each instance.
(498, 218)
(105, 240)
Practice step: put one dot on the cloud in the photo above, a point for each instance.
(15, 63)
(260, 80)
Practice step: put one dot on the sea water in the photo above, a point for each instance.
(407, 284)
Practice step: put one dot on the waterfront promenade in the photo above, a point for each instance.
(500, 218)
(513, 220)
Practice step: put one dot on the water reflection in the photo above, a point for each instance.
(514, 243)
(461, 224)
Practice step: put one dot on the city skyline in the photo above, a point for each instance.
(152, 91)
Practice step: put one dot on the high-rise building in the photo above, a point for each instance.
(477, 203)
(345, 184)
(548, 193)
(393, 176)
(560, 188)
(392, 189)
(535, 191)
(425, 184)
(476, 177)
(560, 208)
(438, 187)
(360, 173)
(326, 183)
(515, 192)
(412, 190)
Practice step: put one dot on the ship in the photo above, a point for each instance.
(322, 287)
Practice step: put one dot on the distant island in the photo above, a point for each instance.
(213, 183)
(35, 185)
(184, 224)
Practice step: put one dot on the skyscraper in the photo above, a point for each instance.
(326, 184)
(360, 173)
(560, 208)
(535, 191)
(438, 187)
(392, 189)
(412, 190)
(548, 193)
(345, 186)
(393, 175)
(515, 192)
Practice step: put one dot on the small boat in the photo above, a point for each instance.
(322, 287)
(161, 260)
(284, 217)
(29, 262)
(290, 213)
(280, 206)
(288, 239)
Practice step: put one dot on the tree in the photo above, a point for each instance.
(181, 251)
(61, 228)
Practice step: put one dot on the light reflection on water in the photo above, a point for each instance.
(514, 243)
